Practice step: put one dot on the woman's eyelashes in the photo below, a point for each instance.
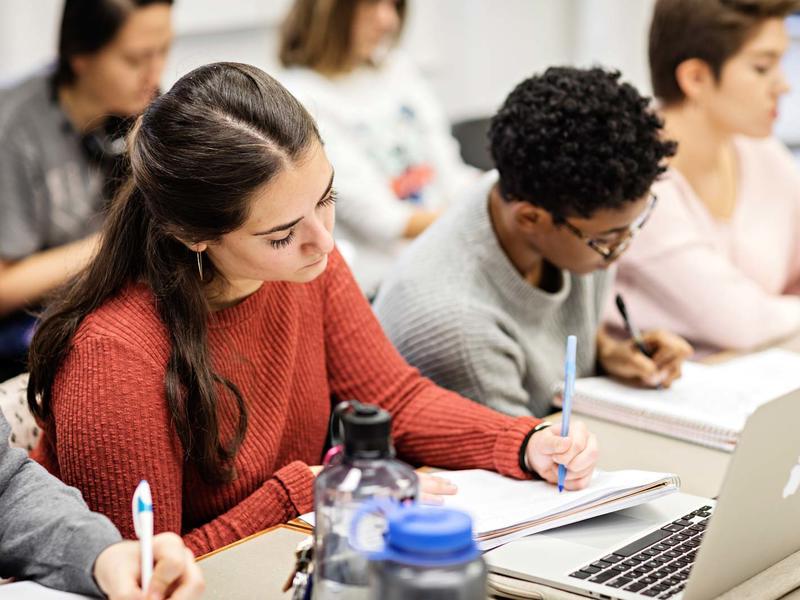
(329, 199)
(285, 241)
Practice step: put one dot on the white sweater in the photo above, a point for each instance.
(390, 145)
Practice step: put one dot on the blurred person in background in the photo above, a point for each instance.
(62, 149)
(397, 165)
(719, 262)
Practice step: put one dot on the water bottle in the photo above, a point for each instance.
(365, 470)
(429, 554)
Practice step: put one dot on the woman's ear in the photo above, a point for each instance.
(694, 77)
(193, 246)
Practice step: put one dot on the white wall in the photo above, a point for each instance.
(473, 51)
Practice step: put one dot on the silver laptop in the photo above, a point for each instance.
(682, 546)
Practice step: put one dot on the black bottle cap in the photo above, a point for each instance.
(366, 430)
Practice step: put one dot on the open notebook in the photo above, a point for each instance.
(708, 405)
(505, 509)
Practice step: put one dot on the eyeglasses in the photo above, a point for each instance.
(611, 246)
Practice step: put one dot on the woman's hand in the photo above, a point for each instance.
(117, 571)
(624, 360)
(577, 451)
(432, 488)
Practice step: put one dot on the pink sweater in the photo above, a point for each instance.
(723, 284)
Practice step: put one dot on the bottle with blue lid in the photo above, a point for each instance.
(365, 471)
(429, 554)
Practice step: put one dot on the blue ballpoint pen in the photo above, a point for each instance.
(566, 405)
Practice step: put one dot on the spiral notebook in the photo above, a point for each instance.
(708, 405)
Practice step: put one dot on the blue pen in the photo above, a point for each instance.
(566, 405)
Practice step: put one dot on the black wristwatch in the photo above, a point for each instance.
(523, 464)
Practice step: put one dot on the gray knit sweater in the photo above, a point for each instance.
(46, 531)
(457, 309)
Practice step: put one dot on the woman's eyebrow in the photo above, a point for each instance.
(291, 224)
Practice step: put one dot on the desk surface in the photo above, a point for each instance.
(256, 567)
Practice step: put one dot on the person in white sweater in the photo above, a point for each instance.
(397, 165)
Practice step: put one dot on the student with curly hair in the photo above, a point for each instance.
(720, 262)
(483, 301)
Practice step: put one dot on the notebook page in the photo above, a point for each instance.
(720, 396)
(27, 590)
(496, 502)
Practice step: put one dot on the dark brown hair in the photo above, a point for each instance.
(87, 26)
(711, 30)
(197, 154)
(317, 34)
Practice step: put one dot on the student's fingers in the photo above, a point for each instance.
(430, 499)
(541, 456)
(671, 375)
(577, 484)
(547, 442)
(573, 475)
(667, 347)
(579, 436)
(117, 571)
(191, 584)
(169, 556)
(586, 459)
(549, 473)
(634, 365)
(439, 486)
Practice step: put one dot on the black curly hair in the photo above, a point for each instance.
(574, 141)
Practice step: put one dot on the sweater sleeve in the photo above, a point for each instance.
(46, 531)
(113, 429)
(677, 280)
(430, 425)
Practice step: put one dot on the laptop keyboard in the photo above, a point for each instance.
(656, 565)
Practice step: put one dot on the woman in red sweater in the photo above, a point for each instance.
(204, 346)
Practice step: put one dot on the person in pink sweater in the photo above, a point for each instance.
(205, 344)
(719, 261)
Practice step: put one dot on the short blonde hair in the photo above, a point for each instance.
(317, 34)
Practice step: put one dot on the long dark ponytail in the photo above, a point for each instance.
(196, 156)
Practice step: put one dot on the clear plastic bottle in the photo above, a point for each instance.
(429, 554)
(366, 470)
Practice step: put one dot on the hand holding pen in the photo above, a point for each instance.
(126, 570)
(569, 459)
(653, 359)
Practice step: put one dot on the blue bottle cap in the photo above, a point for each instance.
(429, 536)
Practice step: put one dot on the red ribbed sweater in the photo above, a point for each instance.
(288, 347)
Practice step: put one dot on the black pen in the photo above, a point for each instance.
(634, 333)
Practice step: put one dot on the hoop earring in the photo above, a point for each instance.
(200, 264)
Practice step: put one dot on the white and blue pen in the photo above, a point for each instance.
(142, 505)
(566, 405)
